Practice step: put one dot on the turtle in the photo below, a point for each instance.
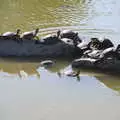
(52, 36)
(70, 41)
(11, 35)
(51, 39)
(95, 43)
(67, 41)
(106, 43)
(69, 34)
(30, 35)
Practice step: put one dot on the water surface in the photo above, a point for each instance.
(31, 92)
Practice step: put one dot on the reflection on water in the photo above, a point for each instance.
(25, 69)
(112, 82)
(50, 96)
(30, 92)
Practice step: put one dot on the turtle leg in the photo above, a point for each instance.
(36, 38)
(16, 39)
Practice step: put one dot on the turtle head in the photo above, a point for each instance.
(78, 72)
(94, 39)
(75, 36)
(58, 33)
(37, 30)
(18, 31)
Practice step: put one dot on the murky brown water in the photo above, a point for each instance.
(30, 92)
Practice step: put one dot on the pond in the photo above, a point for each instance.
(31, 92)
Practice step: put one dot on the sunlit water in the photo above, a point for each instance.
(31, 92)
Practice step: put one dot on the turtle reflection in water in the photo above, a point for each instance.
(11, 35)
(47, 63)
(70, 73)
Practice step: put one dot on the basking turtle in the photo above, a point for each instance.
(70, 34)
(95, 43)
(11, 35)
(67, 41)
(52, 36)
(67, 34)
(106, 43)
(108, 52)
(71, 41)
(51, 39)
(30, 35)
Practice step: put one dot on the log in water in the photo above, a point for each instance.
(31, 48)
